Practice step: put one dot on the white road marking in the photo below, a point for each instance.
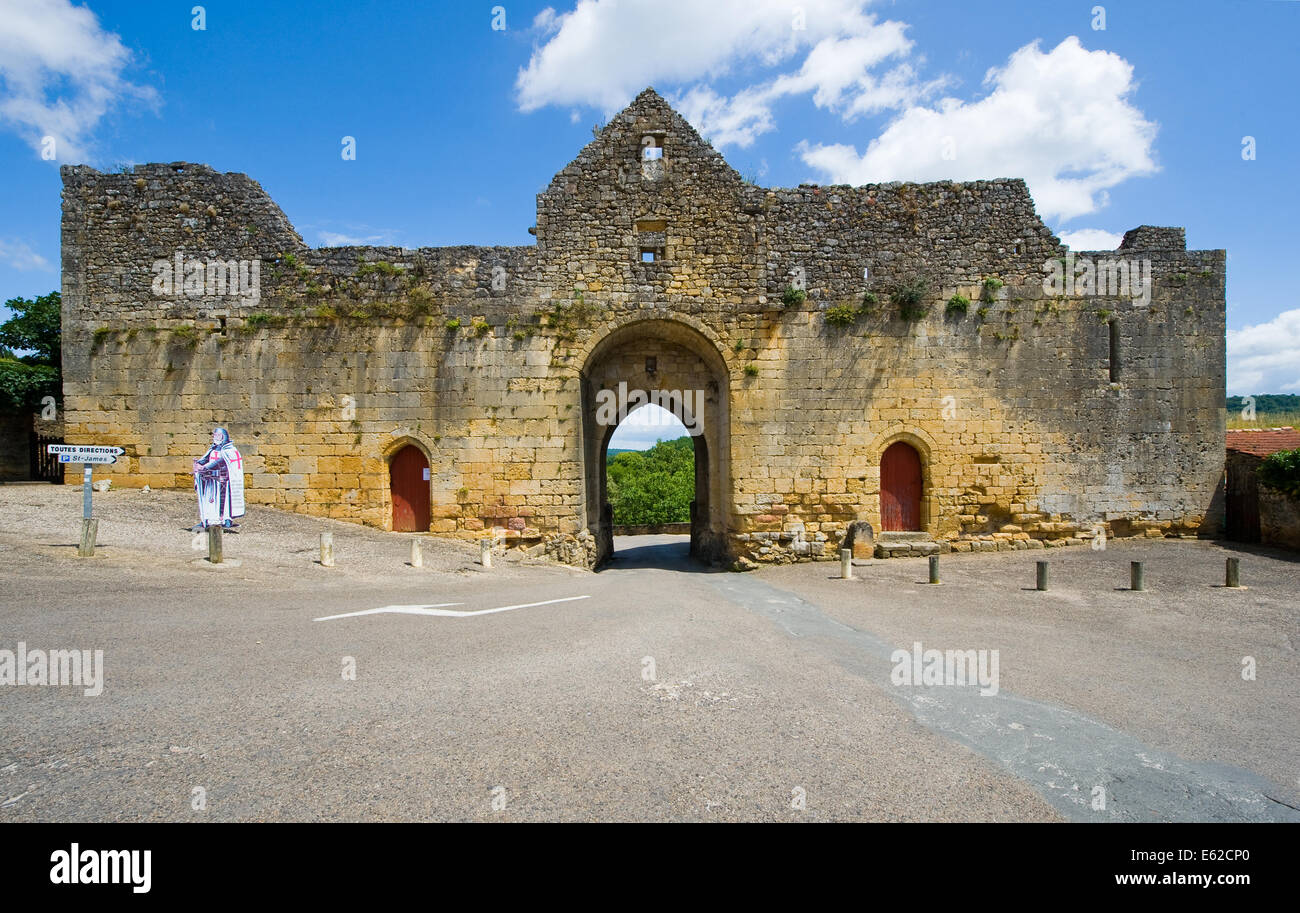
(438, 610)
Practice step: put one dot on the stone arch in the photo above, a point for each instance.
(600, 335)
(386, 454)
(661, 353)
(925, 447)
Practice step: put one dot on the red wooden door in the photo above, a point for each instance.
(408, 475)
(900, 488)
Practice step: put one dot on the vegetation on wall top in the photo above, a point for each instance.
(1281, 470)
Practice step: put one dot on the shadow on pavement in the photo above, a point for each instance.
(669, 553)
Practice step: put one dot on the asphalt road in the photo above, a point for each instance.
(653, 690)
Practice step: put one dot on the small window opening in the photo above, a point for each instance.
(652, 239)
(652, 148)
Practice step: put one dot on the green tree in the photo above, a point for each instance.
(653, 486)
(1281, 470)
(34, 328)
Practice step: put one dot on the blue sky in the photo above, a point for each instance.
(458, 125)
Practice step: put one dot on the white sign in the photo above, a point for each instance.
(95, 458)
(75, 453)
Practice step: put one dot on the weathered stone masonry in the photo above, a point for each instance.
(488, 358)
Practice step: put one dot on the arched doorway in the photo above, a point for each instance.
(408, 480)
(900, 488)
(652, 485)
(676, 367)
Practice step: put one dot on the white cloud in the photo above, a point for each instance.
(60, 73)
(353, 234)
(1063, 120)
(603, 52)
(1265, 358)
(20, 256)
(644, 427)
(335, 239)
(1090, 239)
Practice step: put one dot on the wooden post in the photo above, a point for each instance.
(417, 559)
(89, 530)
(485, 552)
(846, 564)
(934, 569)
(327, 549)
(1042, 576)
(1136, 583)
(214, 544)
(1232, 573)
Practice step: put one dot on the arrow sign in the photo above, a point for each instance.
(96, 458)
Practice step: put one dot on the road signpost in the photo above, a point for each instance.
(89, 457)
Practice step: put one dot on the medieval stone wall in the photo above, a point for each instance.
(785, 299)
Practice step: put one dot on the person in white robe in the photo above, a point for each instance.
(219, 483)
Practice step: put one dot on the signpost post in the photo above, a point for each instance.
(89, 457)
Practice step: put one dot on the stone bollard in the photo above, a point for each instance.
(1042, 576)
(1136, 583)
(417, 558)
(934, 569)
(1232, 573)
(846, 564)
(214, 544)
(485, 552)
(326, 549)
(89, 530)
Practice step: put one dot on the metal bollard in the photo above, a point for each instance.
(327, 549)
(214, 544)
(846, 564)
(1042, 576)
(89, 530)
(934, 569)
(1136, 583)
(1232, 573)
(417, 558)
(485, 552)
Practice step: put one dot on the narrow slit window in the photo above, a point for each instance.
(1114, 350)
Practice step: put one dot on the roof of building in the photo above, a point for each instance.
(1263, 441)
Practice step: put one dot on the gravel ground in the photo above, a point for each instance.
(139, 528)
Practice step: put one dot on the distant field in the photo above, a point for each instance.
(1264, 419)
(1272, 410)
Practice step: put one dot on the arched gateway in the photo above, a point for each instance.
(673, 365)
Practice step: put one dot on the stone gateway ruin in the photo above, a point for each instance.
(915, 367)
